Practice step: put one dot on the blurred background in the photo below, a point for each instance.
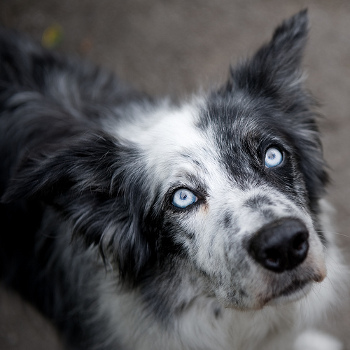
(177, 47)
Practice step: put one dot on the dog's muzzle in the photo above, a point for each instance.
(280, 246)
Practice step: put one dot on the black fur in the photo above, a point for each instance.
(270, 93)
(75, 198)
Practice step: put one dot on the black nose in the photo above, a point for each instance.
(280, 246)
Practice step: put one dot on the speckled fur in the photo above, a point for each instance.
(88, 168)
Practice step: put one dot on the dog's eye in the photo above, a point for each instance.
(273, 157)
(182, 198)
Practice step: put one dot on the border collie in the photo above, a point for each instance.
(135, 223)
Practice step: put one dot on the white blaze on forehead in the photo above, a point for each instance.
(164, 135)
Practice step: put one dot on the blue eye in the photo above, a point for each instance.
(273, 157)
(183, 198)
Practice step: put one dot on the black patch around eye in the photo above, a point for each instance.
(199, 192)
(264, 148)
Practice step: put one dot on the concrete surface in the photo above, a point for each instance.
(176, 47)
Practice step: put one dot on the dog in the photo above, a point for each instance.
(139, 223)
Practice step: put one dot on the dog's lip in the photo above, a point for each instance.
(299, 284)
(295, 286)
(290, 294)
(294, 290)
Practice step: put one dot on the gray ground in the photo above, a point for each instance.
(176, 47)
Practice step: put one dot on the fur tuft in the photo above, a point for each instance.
(141, 224)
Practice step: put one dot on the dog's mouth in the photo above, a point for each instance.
(293, 292)
(297, 288)
(286, 289)
(293, 288)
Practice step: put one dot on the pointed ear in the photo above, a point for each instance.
(275, 67)
(96, 184)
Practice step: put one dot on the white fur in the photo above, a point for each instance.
(316, 340)
(162, 142)
(196, 280)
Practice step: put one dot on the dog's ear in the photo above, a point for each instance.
(273, 77)
(275, 68)
(95, 183)
(46, 175)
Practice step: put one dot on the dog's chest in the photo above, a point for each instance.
(204, 326)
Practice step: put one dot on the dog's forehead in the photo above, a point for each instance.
(169, 137)
(175, 145)
(197, 138)
(236, 117)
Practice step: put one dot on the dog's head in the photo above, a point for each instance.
(228, 184)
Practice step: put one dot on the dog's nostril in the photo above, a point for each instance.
(272, 258)
(299, 243)
(280, 246)
(272, 255)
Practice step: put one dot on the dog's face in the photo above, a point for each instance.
(233, 198)
(237, 176)
(228, 184)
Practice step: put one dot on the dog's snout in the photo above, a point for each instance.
(280, 246)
